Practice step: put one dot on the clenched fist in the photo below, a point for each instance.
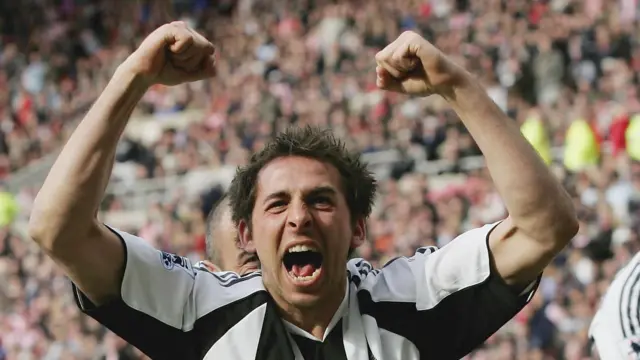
(412, 65)
(173, 54)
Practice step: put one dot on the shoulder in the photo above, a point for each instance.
(363, 266)
(217, 290)
(226, 279)
(468, 246)
(359, 269)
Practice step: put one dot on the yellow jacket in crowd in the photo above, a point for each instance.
(581, 149)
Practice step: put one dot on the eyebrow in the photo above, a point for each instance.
(320, 190)
(275, 195)
(326, 190)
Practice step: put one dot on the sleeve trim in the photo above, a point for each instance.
(83, 302)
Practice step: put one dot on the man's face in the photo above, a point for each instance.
(302, 231)
(229, 254)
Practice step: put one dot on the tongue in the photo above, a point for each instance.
(304, 270)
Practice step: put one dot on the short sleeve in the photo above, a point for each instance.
(171, 309)
(156, 304)
(168, 308)
(441, 296)
(155, 283)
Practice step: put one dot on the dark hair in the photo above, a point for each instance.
(359, 185)
(213, 219)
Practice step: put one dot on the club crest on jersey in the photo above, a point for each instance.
(169, 261)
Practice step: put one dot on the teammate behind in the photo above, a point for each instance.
(301, 203)
(222, 244)
(615, 329)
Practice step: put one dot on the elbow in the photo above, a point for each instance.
(567, 230)
(48, 225)
(553, 225)
(40, 230)
(55, 229)
(564, 224)
(54, 226)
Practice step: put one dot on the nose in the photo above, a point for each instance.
(298, 217)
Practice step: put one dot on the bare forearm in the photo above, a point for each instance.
(75, 185)
(534, 198)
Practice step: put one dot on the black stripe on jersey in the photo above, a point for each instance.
(332, 348)
(211, 327)
(274, 343)
(161, 341)
(627, 294)
(459, 320)
(633, 299)
(128, 323)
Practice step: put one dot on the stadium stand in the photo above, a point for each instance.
(564, 69)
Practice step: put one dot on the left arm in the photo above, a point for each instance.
(541, 216)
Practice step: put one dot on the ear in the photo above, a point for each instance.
(359, 234)
(245, 237)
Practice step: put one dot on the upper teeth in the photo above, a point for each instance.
(301, 248)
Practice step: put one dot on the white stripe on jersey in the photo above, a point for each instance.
(235, 344)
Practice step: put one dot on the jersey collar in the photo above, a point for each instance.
(342, 310)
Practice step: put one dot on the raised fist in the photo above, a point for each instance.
(412, 65)
(173, 54)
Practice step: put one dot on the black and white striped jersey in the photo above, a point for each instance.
(437, 304)
(615, 329)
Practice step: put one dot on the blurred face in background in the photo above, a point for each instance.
(227, 253)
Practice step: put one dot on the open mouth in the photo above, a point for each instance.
(303, 263)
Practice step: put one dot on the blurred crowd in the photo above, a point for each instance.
(565, 70)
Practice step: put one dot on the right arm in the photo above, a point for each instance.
(145, 296)
(63, 220)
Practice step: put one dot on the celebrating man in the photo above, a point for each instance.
(301, 203)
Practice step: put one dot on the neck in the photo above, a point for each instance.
(313, 318)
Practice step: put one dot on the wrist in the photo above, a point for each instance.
(126, 73)
(460, 81)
